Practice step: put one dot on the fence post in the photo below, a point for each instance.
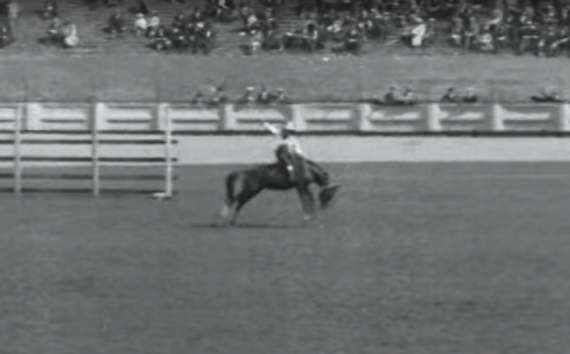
(18, 150)
(168, 153)
(96, 182)
(364, 114)
(228, 120)
(297, 117)
(497, 124)
(564, 117)
(433, 115)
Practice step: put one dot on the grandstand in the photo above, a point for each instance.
(91, 23)
(93, 39)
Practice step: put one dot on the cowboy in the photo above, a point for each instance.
(288, 149)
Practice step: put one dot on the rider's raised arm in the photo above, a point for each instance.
(271, 128)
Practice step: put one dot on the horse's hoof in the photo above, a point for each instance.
(308, 218)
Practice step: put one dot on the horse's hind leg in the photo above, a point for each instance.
(307, 202)
(227, 212)
(240, 201)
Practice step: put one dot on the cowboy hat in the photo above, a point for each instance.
(290, 127)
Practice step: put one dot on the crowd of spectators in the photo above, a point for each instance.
(538, 27)
(340, 26)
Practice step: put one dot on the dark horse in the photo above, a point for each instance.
(243, 185)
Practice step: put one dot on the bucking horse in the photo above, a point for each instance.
(243, 185)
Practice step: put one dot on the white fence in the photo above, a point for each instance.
(307, 117)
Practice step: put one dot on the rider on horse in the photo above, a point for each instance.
(288, 151)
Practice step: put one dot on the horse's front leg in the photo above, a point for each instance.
(307, 202)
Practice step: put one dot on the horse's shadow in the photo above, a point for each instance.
(252, 225)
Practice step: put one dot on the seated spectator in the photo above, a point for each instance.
(50, 9)
(55, 32)
(6, 37)
(485, 42)
(248, 96)
(456, 32)
(70, 38)
(218, 95)
(392, 96)
(161, 42)
(264, 96)
(143, 7)
(450, 96)
(469, 96)
(13, 10)
(153, 24)
(199, 98)
(272, 40)
(141, 25)
(179, 21)
(547, 96)
(313, 38)
(253, 43)
(279, 97)
(408, 97)
(116, 23)
(471, 33)
(417, 32)
(352, 42)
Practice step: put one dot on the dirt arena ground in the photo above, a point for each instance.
(412, 258)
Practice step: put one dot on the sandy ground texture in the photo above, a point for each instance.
(412, 258)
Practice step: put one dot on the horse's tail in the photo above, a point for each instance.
(227, 208)
(230, 188)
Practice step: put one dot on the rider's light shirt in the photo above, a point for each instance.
(291, 142)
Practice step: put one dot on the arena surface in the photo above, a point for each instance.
(412, 258)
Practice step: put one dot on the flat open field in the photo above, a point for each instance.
(308, 78)
(412, 258)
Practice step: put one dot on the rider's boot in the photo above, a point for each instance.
(290, 172)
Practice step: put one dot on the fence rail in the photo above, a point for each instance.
(32, 151)
(317, 117)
